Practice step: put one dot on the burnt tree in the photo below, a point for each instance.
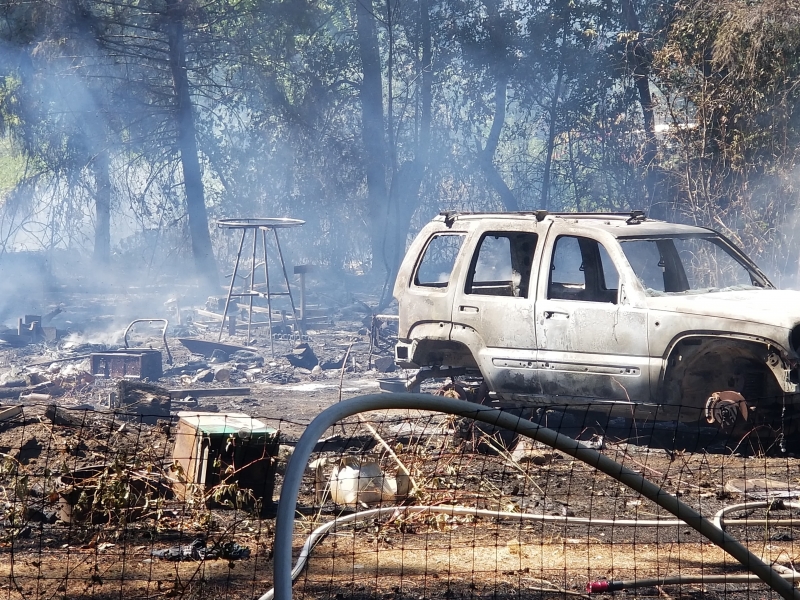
(639, 57)
(187, 143)
(404, 194)
(372, 129)
(552, 112)
(102, 204)
(500, 45)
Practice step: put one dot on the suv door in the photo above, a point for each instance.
(427, 301)
(493, 308)
(592, 343)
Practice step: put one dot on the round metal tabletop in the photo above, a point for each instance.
(259, 223)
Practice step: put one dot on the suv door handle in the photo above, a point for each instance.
(468, 309)
(555, 314)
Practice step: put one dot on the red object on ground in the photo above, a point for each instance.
(598, 587)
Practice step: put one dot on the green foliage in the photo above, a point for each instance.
(730, 75)
(12, 167)
(275, 92)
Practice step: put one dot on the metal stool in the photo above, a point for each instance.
(255, 225)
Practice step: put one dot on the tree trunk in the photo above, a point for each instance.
(487, 154)
(499, 44)
(98, 137)
(427, 82)
(641, 76)
(404, 191)
(187, 143)
(102, 204)
(551, 137)
(373, 130)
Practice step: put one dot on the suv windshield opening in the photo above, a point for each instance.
(689, 264)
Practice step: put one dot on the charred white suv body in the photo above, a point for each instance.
(632, 315)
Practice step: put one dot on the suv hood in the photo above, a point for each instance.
(779, 308)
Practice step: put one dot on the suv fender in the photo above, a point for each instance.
(699, 364)
(429, 345)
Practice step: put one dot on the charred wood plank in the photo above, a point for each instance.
(65, 417)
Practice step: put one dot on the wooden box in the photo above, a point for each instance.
(217, 449)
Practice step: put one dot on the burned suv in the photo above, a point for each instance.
(634, 316)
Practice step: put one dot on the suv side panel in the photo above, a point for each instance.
(427, 285)
(493, 309)
(590, 325)
(593, 342)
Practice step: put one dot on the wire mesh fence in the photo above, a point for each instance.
(393, 504)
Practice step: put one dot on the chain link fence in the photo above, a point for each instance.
(394, 503)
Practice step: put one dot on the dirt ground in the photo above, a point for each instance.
(108, 549)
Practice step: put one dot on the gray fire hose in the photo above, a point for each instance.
(284, 527)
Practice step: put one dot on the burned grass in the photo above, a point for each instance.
(588, 532)
(114, 553)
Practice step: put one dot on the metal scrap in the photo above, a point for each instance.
(198, 550)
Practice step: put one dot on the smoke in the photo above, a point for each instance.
(96, 303)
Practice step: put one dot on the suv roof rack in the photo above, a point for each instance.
(633, 217)
(637, 217)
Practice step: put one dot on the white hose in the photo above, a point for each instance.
(461, 511)
(285, 518)
(719, 518)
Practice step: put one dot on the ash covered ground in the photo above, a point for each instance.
(124, 526)
(52, 359)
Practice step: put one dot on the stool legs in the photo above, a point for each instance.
(269, 296)
(252, 286)
(297, 326)
(251, 292)
(230, 287)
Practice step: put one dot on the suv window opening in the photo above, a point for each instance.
(501, 264)
(581, 269)
(438, 260)
(690, 264)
